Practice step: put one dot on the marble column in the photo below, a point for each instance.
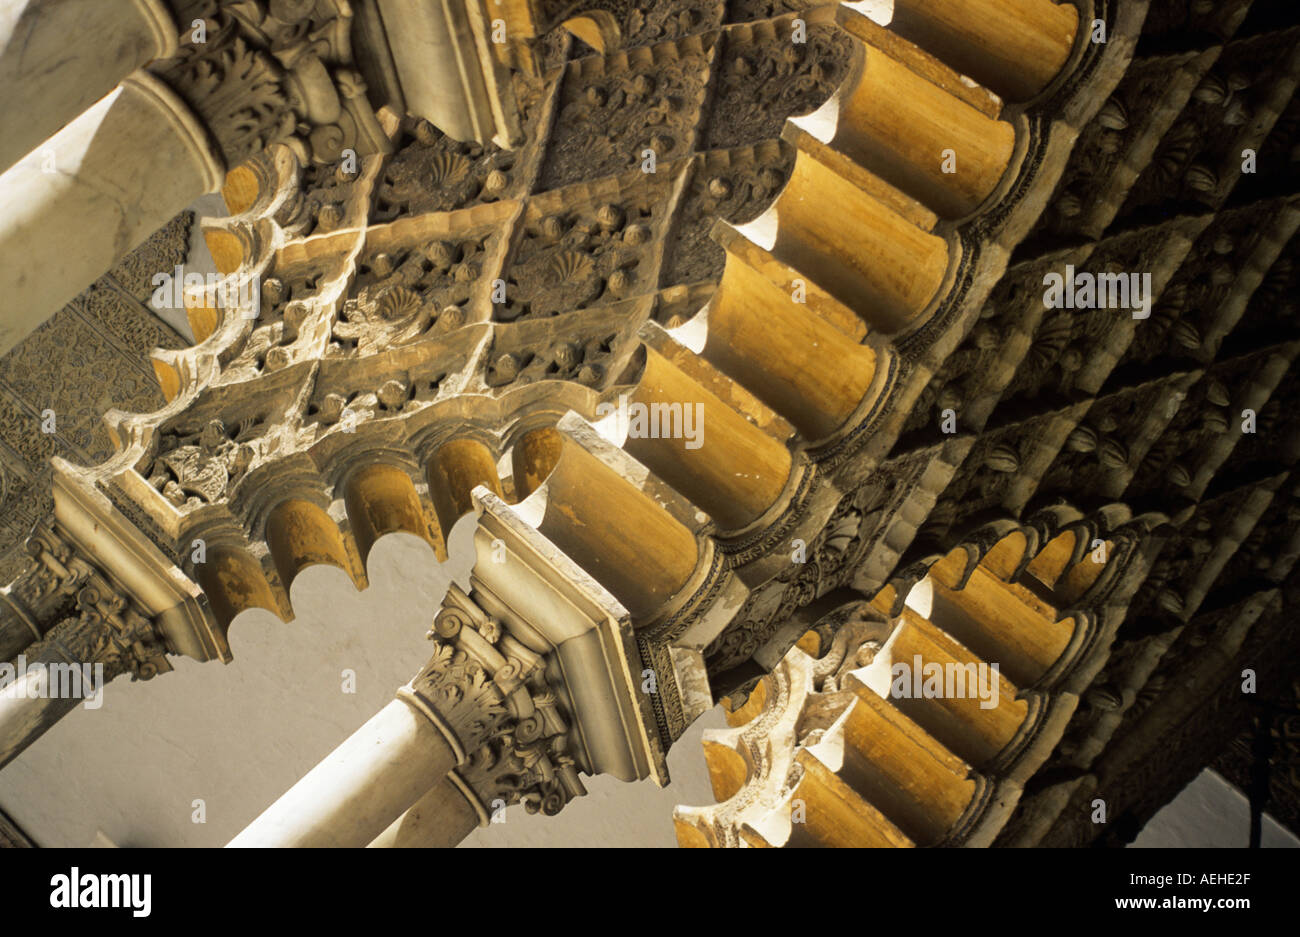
(438, 820)
(58, 57)
(443, 59)
(95, 191)
(17, 629)
(58, 675)
(361, 787)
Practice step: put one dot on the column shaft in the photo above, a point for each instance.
(438, 820)
(16, 632)
(102, 185)
(360, 788)
(60, 674)
(59, 58)
(24, 719)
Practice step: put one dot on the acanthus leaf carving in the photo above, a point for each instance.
(276, 73)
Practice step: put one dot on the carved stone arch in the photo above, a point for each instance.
(840, 483)
(300, 534)
(956, 566)
(1057, 555)
(1048, 698)
(379, 441)
(235, 247)
(425, 442)
(1012, 552)
(1001, 546)
(253, 187)
(834, 624)
(1065, 537)
(296, 477)
(1131, 550)
(533, 455)
(233, 582)
(455, 467)
(382, 498)
(846, 701)
(1053, 518)
(903, 582)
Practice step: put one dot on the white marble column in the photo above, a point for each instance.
(28, 708)
(58, 57)
(41, 689)
(438, 820)
(95, 191)
(360, 788)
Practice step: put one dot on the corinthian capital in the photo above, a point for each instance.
(459, 696)
(105, 630)
(489, 694)
(44, 592)
(260, 72)
(514, 768)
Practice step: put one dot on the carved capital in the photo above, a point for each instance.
(540, 774)
(64, 606)
(507, 718)
(92, 638)
(459, 696)
(44, 592)
(260, 72)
